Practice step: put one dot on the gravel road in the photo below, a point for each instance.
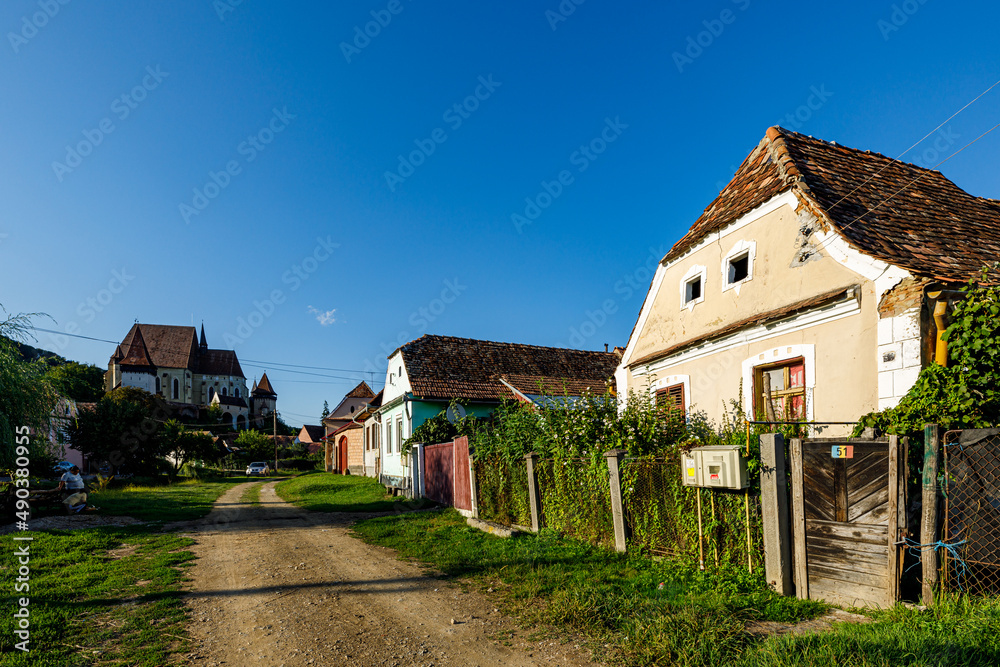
(277, 585)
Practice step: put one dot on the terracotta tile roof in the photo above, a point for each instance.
(534, 385)
(219, 362)
(315, 433)
(361, 391)
(448, 367)
(773, 315)
(899, 213)
(346, 427)
(263, 388)
(137, 354)
(169, 346)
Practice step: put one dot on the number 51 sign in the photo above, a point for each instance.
(842, 451)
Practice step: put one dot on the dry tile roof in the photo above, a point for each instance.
(899, 213)
(447, 367)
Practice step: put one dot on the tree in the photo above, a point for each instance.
(255, 445)
(183, 445)
(26, 398)
(80, 382)
(326, 411)
(124, 428)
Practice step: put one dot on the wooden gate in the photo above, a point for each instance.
(846, 512)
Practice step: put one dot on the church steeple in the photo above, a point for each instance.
(204, 343)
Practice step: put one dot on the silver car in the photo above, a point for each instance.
(258, 468)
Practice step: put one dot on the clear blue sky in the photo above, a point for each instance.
(207, 84)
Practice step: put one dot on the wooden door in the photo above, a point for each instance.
(845, 507)
(343, 454)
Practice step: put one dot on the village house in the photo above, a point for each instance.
(426, 374)
(344, 432)
(312, 436)
(372, 435)
(818, 280)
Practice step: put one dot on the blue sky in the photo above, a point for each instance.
(250, 143)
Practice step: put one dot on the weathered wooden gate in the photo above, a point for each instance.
(846, 515)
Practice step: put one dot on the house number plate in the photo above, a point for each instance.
(843, 452)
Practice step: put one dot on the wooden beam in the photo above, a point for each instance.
(928, 524)
(892, 583)
(799, 522)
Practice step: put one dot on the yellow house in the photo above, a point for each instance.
(808, 287)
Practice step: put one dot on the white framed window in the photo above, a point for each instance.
(399, 435)
(693, 287)
(737, 265)
(388, 437)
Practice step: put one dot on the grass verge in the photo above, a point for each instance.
(107, 596)
(329, 492)
(251, 496)
(637, 611)
(182, 501)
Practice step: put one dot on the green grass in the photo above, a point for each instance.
(88, 607)
(251, 496)
(329, 492)
(182, 501)
(696, 618)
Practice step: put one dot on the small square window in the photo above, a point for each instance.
(692, 290)
(739, 268)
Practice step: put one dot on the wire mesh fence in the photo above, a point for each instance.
(662, 516)
(971, 533)
(575, 498)
(502, 490)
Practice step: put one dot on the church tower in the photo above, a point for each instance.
(262, 400)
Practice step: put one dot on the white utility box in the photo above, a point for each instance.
(719, 466)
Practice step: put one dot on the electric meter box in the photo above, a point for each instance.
(719, 466)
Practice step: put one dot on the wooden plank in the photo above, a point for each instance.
(892, 582)
(840, 489)
(839, 544)
(817, 506)
(845, 574)
(868, 562)
(860, 491)
(867, 533)
(856, 595)
(840, 561)
(799, 521)
(864, 480)
(928, 523)
(868, 504)
(877, 517)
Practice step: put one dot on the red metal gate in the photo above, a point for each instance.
(463, 488)
(439, 472)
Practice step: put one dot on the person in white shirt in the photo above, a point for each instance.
(74, 490)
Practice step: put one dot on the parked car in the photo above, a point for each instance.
(258, 468)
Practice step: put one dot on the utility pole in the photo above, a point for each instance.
(274, 434)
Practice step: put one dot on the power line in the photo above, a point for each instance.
(63, 333)
(919, 141)
(314, 368)
(919, 176)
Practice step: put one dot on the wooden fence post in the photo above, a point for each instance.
(472, 483)
(799, 519)
(774, 512)
(615, 457)
(534, 499)
(928, 524)
(417, 466)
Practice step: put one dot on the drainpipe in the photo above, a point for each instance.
(940, 312)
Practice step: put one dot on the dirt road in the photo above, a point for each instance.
(276, 585)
